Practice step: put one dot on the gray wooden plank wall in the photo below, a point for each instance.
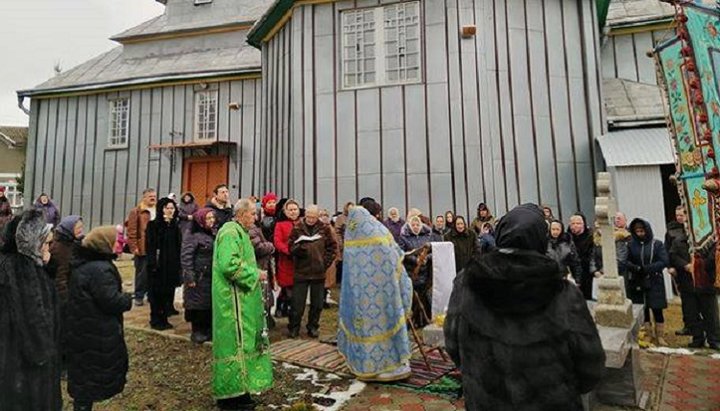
(505, 117)
(624, 55)
(68, 157)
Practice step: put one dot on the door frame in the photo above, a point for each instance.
(201, 159)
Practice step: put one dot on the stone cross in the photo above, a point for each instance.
(613, 308)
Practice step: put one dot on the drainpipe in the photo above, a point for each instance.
(21, 106)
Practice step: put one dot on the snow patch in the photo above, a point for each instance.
(341, 397)
(671, 351)
(715, 356)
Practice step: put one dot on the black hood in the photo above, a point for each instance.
(514, 281)
(161, 205)
(190, 194)
(524, 228)
(280, 210)
(517, 277)
(648, 230)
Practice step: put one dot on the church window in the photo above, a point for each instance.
(119, 122)
(206, 115)
(381, 45)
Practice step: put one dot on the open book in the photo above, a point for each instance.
(306, 238)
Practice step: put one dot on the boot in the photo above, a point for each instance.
(660, 335)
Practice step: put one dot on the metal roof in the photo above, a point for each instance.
(630, 101)
(113, 68)
(177, 19)
(630, 12)
(637, 147)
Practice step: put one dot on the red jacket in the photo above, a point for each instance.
(285, 265)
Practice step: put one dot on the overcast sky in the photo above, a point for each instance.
(37, 34)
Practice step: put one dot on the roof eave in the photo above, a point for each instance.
(242, 25)
(268, 21)
(138, 81)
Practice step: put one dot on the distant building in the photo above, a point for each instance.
(12, 159)
(637, 149)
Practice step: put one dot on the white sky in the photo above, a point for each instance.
(37, 34)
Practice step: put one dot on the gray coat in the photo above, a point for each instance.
(196, 260)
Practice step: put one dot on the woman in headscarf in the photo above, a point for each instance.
(562, 250)
(464, 241)
(163, 263)
(49, 209)
(29, 318)
(188, 207)
(582, 237)
(196, 260)
(415, 241)
(97, 355)
(264, 253)
(374, 302)
(394, 223)
(523, 336)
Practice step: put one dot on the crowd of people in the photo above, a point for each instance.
(241, 266)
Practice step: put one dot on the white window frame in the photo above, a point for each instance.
(381, 45)
(204, 132)
(118, 125)
(201, 2)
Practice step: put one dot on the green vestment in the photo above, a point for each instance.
(240, 349)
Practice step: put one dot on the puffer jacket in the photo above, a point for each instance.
(523, 336)
(196, 258)
(97, 355)
(646, 261)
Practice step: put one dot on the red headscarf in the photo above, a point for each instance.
(270, 196)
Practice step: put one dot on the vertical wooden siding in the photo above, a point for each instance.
(68, 157)
(625, 56)
(505, 117)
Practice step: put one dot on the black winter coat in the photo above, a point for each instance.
(164, 241)
(465, 244)
(197, 258)
(29, 332)
(585, 247)
(646, 261)
(562, 250)
(522, 335)
(97, 355)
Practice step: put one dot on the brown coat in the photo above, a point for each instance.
(312, 258)
(61, 252)
(137, 223)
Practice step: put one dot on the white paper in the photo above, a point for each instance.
(306, 238)
(443, 260)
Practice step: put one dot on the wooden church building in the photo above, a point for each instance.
(437, 104)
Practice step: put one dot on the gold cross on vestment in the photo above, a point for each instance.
(697, 202)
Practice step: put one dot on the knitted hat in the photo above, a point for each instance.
(101, 239)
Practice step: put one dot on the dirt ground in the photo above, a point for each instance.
(169, 374)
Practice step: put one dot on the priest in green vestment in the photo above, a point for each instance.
(241, 347)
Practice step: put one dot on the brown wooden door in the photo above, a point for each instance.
(202, 174)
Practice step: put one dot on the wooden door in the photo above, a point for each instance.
(202, 174)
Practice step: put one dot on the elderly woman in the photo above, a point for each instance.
(415, 241)
(264, 251)
(394, 223)
(196, 260)
(241, 347)
(29, 340)
(49, 209)
(97, 355)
